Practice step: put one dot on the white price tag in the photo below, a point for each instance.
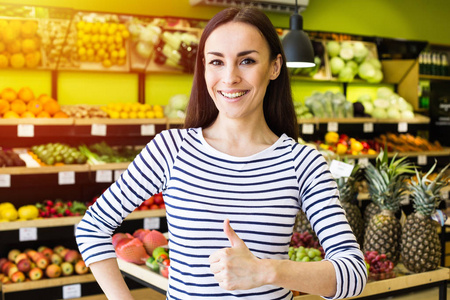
(98, 129)
(340, 169)
(333, 126)
(5, 180)
(27, 234)
(422, 160)
(368, 127)
(308, 128)
(402, 127)
(71, 291)
(363, 162)
(117, 174)
(147, 129)
(152, 223)
(25, 130)
(67, 177)
(103, 176)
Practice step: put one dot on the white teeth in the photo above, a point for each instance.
(233, 95)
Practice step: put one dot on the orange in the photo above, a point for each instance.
(28, 46)
(8, 94)
(18, 106)
(25, 94)
(4, 106)
(51, 106)
(35, 106)
(28, 29)
(11, 115)
(14, 46)
(43, 114)
(27, 114)
(17, 60)
(44, 98)
(4, 62)
(32, 59)
(60, 115)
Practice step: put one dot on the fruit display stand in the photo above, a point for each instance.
(400, 284)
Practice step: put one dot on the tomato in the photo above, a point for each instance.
(164, 272)
(162, 257)
(166, 262)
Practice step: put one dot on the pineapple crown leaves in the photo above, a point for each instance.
(386, 180)
(347, 185)
(425, 192)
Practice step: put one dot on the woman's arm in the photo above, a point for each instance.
(108, 276)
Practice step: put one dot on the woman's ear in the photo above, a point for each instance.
(276, 67)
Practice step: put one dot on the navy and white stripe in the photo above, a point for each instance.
(260, 194)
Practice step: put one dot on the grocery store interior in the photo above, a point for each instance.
(85, 85)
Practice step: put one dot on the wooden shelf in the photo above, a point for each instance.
(395, 284)
(44, 170)
(38, 121)
(144, 273)
(68, 221)
(418, 119)
(110, 166)
(46, 283)
(434, 77)
(106, 121)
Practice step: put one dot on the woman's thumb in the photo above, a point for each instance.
(234, 239)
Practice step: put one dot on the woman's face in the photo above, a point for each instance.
(238, 69)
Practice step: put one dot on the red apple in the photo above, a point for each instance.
(18, 277)
(12, 269)
(63, 252)
(47, 252)
(56, 259)
(24, 265)
(42, 262)
(20, 257)
(5, 266)
(6, 280)
(2, 261)
(58, 249)
(53, 271)
(35, 274)
(12, 254)
(80, 267)
(72, 256)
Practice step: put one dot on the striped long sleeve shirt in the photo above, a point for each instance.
(260, 194)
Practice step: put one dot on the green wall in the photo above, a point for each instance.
(408, 19)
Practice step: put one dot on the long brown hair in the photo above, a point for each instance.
(278, 106)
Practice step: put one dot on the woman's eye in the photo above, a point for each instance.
(215, 62)
(247, 61)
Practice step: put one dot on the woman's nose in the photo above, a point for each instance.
(231, 75)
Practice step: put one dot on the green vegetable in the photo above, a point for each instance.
(336, 65)
(333, 48)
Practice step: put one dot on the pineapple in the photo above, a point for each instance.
(371, 210)
(386, 186)
(347, 195)
(302, 224)
(420, 244)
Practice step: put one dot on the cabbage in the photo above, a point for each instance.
(407, 114)
(384, 93)
(379, 113)
(393, 113)
(346, 74)
(402, 104)
(352, 64)
(179, 102)
(333, 48)
(377, 78)
(375, 62)
(381, 103)
(368, 107)
(346, 53)
(144, 49)
(366, 70)
(336, 65)
(364, 98)
(360, 52)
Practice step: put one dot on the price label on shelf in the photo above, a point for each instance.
(67, 177)
(25, 130)
(103, 176)
(422, 160)
(147, 129)
(152, 223)
(308, 128)
(71, 291)
(368, 127)
(340, 169)
(98, 129)
(333, 126)
(5, 180)
(28, 234)
(117, 174)
(402, 127)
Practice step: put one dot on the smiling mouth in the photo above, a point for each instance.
(233, 95)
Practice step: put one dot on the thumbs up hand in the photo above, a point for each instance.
(235, 268)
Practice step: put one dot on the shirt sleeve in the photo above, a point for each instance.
(144, 177)
(319, 198)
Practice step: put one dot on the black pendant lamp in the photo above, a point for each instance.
(296, 44)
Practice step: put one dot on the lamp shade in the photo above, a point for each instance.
(297, 46)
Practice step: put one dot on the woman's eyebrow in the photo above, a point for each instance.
(243, 53)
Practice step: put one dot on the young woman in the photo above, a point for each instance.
(233, 181)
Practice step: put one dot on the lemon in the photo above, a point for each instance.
(145, 107)
(107, 63)
(159, 114)
(157, 108)
(125, 34)
(133, 115)
(80, 25)
(118, 39)
(81, 51)
(101, 52)
(102, 38)
(87, 38)
(90, 52)
(135, 106)
(114, 54)
(122, 52)
(97, 46)
(88, 27)
(124, 115)
(80, 34)
(28, 212)
(95, 38)
(110, 40)
(9, 214)
(121, 27)
(141, 114)
(150, 114)
(5, 205)
(114, 114)
(127, 107)
(121, 61)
